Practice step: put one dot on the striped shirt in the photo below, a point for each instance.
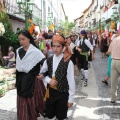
(114, 48)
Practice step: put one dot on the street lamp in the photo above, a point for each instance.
(50, 18)
(25, 7)
(112, 17)
(103, 23)
(114, 9)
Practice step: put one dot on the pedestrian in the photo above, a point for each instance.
(49, 43)
(104, 45)
(75, 53)
(105, 80)
(83, 46)
(74, 57)
(73, 37)
(61, 84)
(92, 41)
(114, 49)
(30, 91)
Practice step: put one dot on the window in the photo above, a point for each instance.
(48, 9)
(44, 10)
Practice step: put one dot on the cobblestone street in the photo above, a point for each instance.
(91, 102)
(106, 109)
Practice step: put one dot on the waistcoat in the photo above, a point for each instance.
(60, 74)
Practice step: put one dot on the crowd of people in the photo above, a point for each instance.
(52, 58)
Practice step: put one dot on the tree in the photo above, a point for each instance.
(66, 26)
(9, 38)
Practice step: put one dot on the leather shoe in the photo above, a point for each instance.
(112, 101)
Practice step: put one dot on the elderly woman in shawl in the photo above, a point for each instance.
(30, 91)
(61, 84)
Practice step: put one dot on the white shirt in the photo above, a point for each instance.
(76, 41)
(70, 75)
(93, 42)
(87, 42)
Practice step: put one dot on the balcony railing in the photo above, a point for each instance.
(12, 9)
(109, 12)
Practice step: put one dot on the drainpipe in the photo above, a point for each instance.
(119, 16)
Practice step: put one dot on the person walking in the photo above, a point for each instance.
(30, 91)
(105, 80)
(83, 47)
(114, 49)
(61, 84)
(104, 45)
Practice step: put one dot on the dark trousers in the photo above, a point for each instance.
(84, 62)
(56, 105)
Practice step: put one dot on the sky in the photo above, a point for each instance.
(74, 8)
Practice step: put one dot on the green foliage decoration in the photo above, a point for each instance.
(9, 38)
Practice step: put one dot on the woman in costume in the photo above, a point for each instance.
(61, 84)
(30, 91)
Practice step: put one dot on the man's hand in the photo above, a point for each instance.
(70, 105)
(4, 57)
(92, 54)
(78, 49)
(53, 82)
(40, 76)
(92, 57)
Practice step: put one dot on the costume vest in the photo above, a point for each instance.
(83, 46)
(91, 40)
(60, 74)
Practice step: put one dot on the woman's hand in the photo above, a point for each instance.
(40, 76)
(53, 82)
(70, 105)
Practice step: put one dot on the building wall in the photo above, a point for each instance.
(16, 24)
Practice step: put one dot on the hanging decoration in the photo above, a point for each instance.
(32, 26)
(51, 27)
(2, 29)
(112, 25)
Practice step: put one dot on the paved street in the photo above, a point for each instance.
(91, 102)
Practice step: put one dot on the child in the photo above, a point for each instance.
(60, 79)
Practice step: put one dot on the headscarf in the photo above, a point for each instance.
(27, 34)
(61, 40)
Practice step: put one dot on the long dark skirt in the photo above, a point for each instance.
(31, 108)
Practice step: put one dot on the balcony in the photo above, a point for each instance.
(11, 9)
(109, 12)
